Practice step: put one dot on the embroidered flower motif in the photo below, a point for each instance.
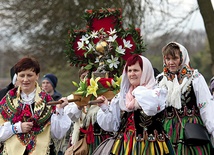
(158, 108)
(201, 105)
(26, 111)
(4, 114)
(184, 71)
(165, 70)
(12, 93)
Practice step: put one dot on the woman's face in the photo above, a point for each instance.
(173, 63)
(134, 73)
(27, 80)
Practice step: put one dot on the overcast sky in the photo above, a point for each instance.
(196, 21)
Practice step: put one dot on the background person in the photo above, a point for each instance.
(49, 83)
(26, 123)
(136, 113)
(12, 84)
(188, 97)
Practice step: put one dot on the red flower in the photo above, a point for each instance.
(105, 23)
(89, 11)
(29, 146)
(104, 81)
(3, 100)
(12, 93)
(4, 114)
(165, 70)
(36, 128)
(48, 98)
(36, 116)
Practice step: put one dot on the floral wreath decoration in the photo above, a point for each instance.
(104, 43)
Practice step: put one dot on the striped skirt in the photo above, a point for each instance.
(176, 135)
(129, 144)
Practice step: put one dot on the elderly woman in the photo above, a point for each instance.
(136, 113)
(188, 100)
(26, 122)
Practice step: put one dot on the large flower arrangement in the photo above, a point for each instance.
(104, 36)
(104, 43)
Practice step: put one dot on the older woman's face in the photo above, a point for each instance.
(27, 80)
(134, 73)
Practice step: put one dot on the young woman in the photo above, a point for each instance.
(26, 122)
(188, 99)
(136, 113)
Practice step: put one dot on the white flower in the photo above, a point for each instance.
(112, 39)
(90, 47)
(120, 50)
(113, 62)
(85, 39)
(94, 34)
(111, 32)
(127, 44)
(80, 45)
(97, 60)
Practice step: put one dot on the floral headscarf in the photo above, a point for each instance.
(147, 80)
(185, 69)
(177, 83)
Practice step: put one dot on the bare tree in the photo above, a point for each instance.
(40, 28)
(207, 13)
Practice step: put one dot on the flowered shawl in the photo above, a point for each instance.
(11, 110)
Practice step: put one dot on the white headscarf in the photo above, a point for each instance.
(147, 80)
(177, 86)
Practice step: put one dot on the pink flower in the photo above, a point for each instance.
(12, 93)
(4, 114)
(29, 147)
(36, 116)
(3, 101)
(48, 98)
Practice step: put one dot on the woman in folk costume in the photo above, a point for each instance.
(85, 122)
(188, 99)
(26, 122)
(136, 113)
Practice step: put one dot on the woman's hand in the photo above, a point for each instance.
(80, 107)
(103, 100)
(63, 104)
(26, 126)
